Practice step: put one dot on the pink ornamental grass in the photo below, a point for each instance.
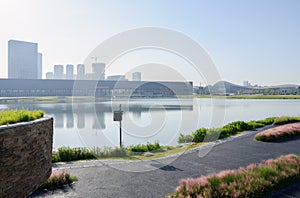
(251, 181)
(280, 132)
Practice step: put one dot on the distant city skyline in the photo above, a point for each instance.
(255, 41)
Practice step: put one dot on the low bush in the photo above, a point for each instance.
(185, 138)
(255, 124)
(108, 152)
(66, 154)
(251, 181)
(144, 148)
(199, 135)
(285, 120)
(15, 116)
(57, 179)
(278, 133)
(267, 121)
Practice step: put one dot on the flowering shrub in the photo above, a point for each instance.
(277, 133)
(251, 181)
(58, 178)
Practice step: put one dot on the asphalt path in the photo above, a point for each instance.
(157, 178)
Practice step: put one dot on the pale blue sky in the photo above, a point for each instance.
(255, 40)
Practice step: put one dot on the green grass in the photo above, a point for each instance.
(285, 120)
(144, 148)
(15, 116)
(255, 180)
(66, 154)
(233, 128)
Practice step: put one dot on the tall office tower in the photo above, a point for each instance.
(22, 60)
(136, 76)
(49, 75)
(98, 71)
(58, 72)
(40, 65)
(70, 72)
(80, 71)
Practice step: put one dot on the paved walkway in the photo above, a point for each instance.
(156, 178)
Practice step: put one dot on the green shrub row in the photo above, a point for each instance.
(66, 154)
(145, 148)
(233, 128)
(251, 181)
(15, 116)
(286, 120)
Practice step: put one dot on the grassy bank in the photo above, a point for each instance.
(15, 116)
(283, 97)
(65, 154)
(255, 180)
(233, 128)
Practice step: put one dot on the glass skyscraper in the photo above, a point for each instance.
(22, 60)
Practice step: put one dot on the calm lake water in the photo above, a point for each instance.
(91, 124)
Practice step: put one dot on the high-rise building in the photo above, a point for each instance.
(58, 72)
(70, 72)
(98, 71)
(22, 60)
(136, 76)
(117, 78)
(246, 84)
(80, 71)
(49, 75)
(40, 65)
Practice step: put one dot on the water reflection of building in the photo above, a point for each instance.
(58, 120)
(70, 120)
(99, 121)
(136, 111)
(80, 120)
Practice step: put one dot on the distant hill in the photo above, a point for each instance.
(283, 86)
(225, 87)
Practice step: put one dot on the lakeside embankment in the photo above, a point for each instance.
(278, 97)
(99, 178)
(79, 99)
(154, 151)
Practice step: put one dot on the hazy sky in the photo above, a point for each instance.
(255, 40)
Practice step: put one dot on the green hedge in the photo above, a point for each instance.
(66, 154)
(285, 120)
(15, 116)
(145, 148)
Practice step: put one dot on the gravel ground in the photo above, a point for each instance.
(156, 178)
